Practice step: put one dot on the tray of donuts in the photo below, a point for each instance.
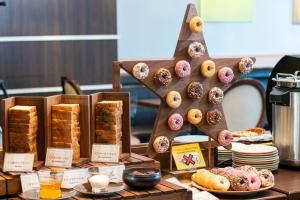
(244, 180)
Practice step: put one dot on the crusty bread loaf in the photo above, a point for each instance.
(22, 110)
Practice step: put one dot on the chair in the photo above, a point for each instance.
(70, 86)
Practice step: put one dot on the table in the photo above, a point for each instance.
(267, 195)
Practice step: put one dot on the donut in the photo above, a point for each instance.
(195, 90)
(173, 99)
(208, 68)
(175, 122)
(140, 71)
(161, 144)
(163, 77)
(196, 24)
(220, 183)
(215, 95)
(266, 177)
(255, 182)
(248, 168)
(225, 138)
(194, 116)
(196, 50)
(213, 117)
(246, 65)
(182, 69)
(225, 75)
(240, 182)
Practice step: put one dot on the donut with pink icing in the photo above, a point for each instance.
(225, 75)
(182, 69)
(225, 138)
(255, 182)
(175, 122)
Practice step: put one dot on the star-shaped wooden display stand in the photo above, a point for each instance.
(180, 84)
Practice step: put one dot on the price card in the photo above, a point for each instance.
(105, 153)
(74, 177)
(59, 157)
(29, 182)
(18, 162)
(117, 172)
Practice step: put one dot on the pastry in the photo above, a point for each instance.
(140, 71)
(255, 182)
(240, 182)
(161, 144)
(246, 65)
(196, 24)
(248, 169)
(196, 50)
(163, 77)
(173, 99)
(213, 117)
(244, 134)
(266, 177)
(175, 122)
(208, 68)
(195, 90)
(225, 75)
(182, 69)
(225, 138)
(194, 116)
(220, 183)
(215, 95)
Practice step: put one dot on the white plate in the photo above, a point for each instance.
(255, 149)
(232, 193)
(35, 194)
(191, 138)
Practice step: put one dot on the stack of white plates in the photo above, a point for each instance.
(259, 156)
(224, 154)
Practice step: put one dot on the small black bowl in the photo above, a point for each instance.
(140, 178)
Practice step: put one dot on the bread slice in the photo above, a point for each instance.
(66, 107)
(64, 115)
(22, 109)
(23, 120)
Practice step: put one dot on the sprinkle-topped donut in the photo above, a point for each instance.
(173, 99)
(182, 69)
(161, 144)
(248, 168)
(215, 95)
(208, 68)
(225, 75)
(175, 122)
(195, 90)
(266, 177)
(140, 71)
(196, 50)
(246, 65)
(213, 117)
(241, 182)
(163, 77)
(225, 138)
(196, 24)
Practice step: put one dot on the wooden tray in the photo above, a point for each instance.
(84, 122)
(125, 117)
(25, 101)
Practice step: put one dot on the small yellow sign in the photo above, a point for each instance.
(188, 156)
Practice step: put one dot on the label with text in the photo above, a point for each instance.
(74, 177)
(59, 157)
(105, 153)
(29, 182)
(18, 162)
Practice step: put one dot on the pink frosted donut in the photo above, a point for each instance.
(182, 69)
(255, 182)
(225, 138)
(175, 122)
(225, 75)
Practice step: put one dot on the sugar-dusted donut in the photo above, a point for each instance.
(225, 138)
(161, 144)
(194, 116)
(196, 24)
(240, 182)
(248, 169)
(163, 77)
(215, 95)
(225, 75)
(266, 177)
(140, 70)
(175, 122)
(213, 117)
(173, 99)
(196, 50)
(182, 69)
(220, 183)
(195, 90)
(208, 68)
(246, 65)
(255, 182)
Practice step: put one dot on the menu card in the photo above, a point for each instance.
(29, 182)
(74, 177)
(117, 172)
(59, 157)
(105, 153)
(18, 162)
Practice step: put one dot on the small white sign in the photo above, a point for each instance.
(18, 162)
(29, 182)
(74, 177)
(59, 157)
(117, 172)
(105, 153)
